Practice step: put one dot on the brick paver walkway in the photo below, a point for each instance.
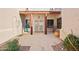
(39, 41)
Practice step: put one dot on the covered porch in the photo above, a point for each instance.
(40, 21)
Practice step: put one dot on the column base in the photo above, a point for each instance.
(31, 32)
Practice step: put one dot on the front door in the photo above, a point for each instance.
(50, 25)
(38, 25)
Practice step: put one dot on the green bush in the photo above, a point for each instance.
(71, 43)
(13, 45)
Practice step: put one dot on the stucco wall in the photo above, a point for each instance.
(10, 24)
(70, 22)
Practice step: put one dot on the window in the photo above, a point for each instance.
(50, 23)
(59, 23)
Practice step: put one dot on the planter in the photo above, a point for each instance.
(57, 33)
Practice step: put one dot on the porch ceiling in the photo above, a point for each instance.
(39, 12)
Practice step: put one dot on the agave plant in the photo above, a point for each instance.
(71, 43)
(13, 45)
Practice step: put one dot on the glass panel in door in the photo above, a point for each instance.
(38, 25)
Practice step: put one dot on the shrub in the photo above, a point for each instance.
(71, 43)
(13, 45)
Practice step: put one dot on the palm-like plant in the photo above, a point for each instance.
(71, 43)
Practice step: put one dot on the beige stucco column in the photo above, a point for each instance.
(23, 20)
(55, 22)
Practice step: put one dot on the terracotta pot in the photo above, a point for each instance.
(57, 33)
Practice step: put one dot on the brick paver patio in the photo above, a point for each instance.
(38, 41)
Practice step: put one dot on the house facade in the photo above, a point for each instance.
(40, 20)
(16, 21)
